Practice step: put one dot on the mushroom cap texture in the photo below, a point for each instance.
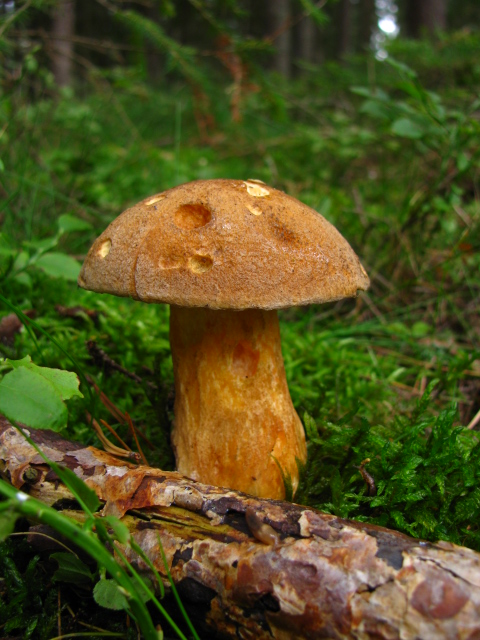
(223, 244)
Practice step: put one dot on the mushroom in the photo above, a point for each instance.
(226, 254)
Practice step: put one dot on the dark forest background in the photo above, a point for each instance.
(283, 35)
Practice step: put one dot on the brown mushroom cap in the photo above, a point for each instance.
(223, 244)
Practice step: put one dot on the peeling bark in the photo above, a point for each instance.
(263, 569)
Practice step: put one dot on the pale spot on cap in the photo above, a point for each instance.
(170, 262)
(154, 200)
(200, 264)
(104, 248)
(256, 190)
(254, 209)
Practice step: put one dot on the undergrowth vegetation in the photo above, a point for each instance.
(386, 384)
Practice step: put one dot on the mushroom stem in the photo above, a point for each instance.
(234, 417)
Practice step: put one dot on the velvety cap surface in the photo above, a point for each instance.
(224, 244)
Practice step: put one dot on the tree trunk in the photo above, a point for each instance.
(153, 55)
(345, 25)
(306, 31)
(62, 33)
(263, 569)
(280, 30)
(366, 20)
(425, 16)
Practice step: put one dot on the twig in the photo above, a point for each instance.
(14, 16)
(100, 357)
(375, 310)
(126, 452)
(59, 611)
(115, 411)
(92, 43)
(421, 363)
(134, 433)
(291, 22)
(474, 421)
(107, 403)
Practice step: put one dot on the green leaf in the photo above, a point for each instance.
(59, 265)
(71, 569)
(8, 519)
(375, 109)
(120, 530)
(29, 398)
(23, 279)
(43, 245)
(406, 128)
(463, 162)
(365, 92)
(108, 594)
(420, 329)
(67, 223)
(401, 67)
(65, 382)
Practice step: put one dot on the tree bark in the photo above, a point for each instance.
(345, 25)
(279, 29)
(263, 569)
(62, 32)
(154, 57)
(366, 20)
(425, 16)
(307, 31)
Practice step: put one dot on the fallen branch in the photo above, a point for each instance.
(262, 569)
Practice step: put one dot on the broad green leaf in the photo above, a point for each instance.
(107, 594)
(71, 569)
(375, 109)
(21, 261)
(65, 382)
(23, 279)
(407, 128)
(376, 94)
(43, 245)
(365, 92)
(59, 265)
(29, 398)
(400, 66)
(67, 223)
(412, 90)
